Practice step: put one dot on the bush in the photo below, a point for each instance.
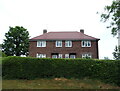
(2, 54)
(31, 68)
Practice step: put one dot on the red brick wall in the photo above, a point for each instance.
(51, 48)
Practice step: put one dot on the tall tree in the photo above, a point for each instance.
(16, 42)
(112, 13)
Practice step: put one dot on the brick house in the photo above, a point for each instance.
(64, 45)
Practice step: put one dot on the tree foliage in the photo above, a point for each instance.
(112, 13)
(2, 54)
(16, 42)
(116, 53)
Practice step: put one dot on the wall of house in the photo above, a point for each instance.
(76, 48)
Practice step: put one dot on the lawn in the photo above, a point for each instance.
(56, 83)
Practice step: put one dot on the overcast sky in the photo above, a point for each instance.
(58, 15)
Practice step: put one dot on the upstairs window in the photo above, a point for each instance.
(41, 55)
(68, 43)
(41, 43)
(86, 55)
(58, 43)
(86, 43)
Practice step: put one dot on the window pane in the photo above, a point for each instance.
(38, 43)
(89, 43)
(68, 43)
(83, 43)
(72, 56)
(86, 43)
(58, 43)
(41, 55)
(54, 56)
(44, 56)
(83, 55)
(66, 55)
(87, 55)
(60, 55)
(41, 43)
(37, 55)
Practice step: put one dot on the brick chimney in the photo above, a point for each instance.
(44, 31)
(82, 30)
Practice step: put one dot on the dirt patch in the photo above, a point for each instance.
(60, 79)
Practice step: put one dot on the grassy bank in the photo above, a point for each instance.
(56, 83)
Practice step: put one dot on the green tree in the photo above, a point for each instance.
(2, 54)
(16, 42)
(112, 14)
(116, 54)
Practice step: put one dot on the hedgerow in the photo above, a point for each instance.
(32, 68)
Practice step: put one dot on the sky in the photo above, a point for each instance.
(59, 15)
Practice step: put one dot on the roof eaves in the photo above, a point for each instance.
(60, 39)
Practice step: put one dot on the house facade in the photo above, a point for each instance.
(64, 45)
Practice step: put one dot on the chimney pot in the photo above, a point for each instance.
(82, 30)
(44, 31)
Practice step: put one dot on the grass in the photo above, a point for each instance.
(56, 83)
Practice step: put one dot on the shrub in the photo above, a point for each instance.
(31, 68)
(2, 54)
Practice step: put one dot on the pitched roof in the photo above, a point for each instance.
(64, 36)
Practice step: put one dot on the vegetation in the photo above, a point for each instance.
(2, 54)
(32, 68)
(57, 83)
(16, 42)
(116, 53)
(112, 13)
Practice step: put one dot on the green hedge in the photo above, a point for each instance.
(31, 68)
(2, 54)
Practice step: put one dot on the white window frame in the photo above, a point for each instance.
(85, 55)
(86, 43)
(41, 43)
(54, 56)
(60, 56)
(74, 56)
(41, 55)
(68, 43)
(66, 55)
(58, 43)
